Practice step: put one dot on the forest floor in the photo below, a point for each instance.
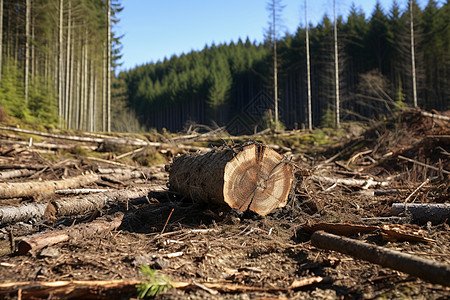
(211, 252)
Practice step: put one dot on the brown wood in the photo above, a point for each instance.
(249, 177)
(423, 268)
(97, 228)
(113, 289)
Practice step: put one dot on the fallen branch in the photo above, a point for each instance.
(15, 173)
(79, 191)
(362, 183)
(80, 289)
(434, 116)
(136, 142)
(425, 269)
(96, 228)
(423, 165)
(28, 189)
(422, 213)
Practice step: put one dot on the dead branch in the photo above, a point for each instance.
(135, 142)
(97, 228)
(79, 191)
(80, 289)
(434, 116)
(422, 213)
(15, 173)
(21, 166)
(28, 189)
(423, 165)
(425, 269)
(362, 183)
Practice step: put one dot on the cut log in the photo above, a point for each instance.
(423, 268)
(96, 228)
(248, 177)
(15, 173)
(28, 189)
(422, 213)
(68, 207)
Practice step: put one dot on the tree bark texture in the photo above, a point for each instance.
(422, 213)
(250, 177)
(28, 189)
(426, 269)
(96, 228)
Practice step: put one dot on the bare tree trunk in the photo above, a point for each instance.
(77, 93)
(60, 68)
(308, 70)
(27, 45)
(91, 97)
(336, 66)
(1, 38)
(68, 53)
(104, 90)
(108, 67)
(82, 87)
(72, 90)
(413, 57)
(275, 63)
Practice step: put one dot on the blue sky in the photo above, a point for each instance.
(155, 29)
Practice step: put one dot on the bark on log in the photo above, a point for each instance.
(96, 228)
(249, 177)
(422, 213)
(28, 189)
(423, 268)
(68, 207)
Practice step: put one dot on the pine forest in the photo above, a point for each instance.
(59, 60)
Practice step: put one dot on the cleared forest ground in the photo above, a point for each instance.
(112, 212)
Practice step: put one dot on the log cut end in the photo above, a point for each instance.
(250, 177)
(257, 179)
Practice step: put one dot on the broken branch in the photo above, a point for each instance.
(423, 268)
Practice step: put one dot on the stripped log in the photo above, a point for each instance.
(362, 183)
(249, 177)
(423, 268)
(97, 228)
(28, 189)
(422, 213)
(15, 173)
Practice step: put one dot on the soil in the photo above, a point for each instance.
(192, 242)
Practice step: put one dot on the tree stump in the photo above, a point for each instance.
(248, 177)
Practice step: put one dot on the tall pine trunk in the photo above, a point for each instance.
(308, 70)
(27, 45)
(336, 70)
(413, 57)
(60, 65)
(108, 67)
(68, 54)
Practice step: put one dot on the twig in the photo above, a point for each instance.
(416, 190)
(423, 165)
(167, 221)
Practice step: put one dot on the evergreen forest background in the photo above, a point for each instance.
(59, 77)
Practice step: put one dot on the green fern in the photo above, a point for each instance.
(155, 285)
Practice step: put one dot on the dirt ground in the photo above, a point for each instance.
(192, 242)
